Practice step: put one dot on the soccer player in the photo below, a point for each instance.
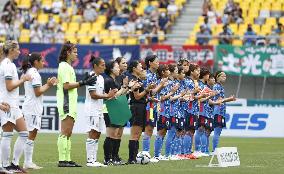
(138, 97)
(112, 141)
(191, 113)
(33, 104)
(67, 95)
(163, 121)
(95, 95)
(13, 120)
(220, 110)
(152, 64)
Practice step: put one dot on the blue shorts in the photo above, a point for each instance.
(191, 122)
(219, 121)
(163, 123)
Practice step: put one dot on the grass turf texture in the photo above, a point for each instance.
(258, 155)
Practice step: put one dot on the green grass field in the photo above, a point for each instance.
(257, 155)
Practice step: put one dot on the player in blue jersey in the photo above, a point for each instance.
(152, 64)
(163, 107)
(192, 111)
(220, 110)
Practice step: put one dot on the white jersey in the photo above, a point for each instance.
(8, 71)
(32, 105)
(94, 107)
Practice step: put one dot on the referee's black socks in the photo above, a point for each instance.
(115, 149)
(108, 148)
(133, 150)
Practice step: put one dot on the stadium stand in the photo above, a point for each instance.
(87, 21)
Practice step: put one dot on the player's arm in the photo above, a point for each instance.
(42, 89)
(13, 84)
(160, 86)
(4, 107)
(229, 99)
(138, 95)
(108, 95)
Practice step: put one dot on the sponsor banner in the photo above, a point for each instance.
(254, 122)
(241, 121)
(203, 55)
(253, 61)
(50, 54)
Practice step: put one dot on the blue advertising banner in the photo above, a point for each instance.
(50, 54)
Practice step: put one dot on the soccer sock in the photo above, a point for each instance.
(29, 149)
(169, 139)
(96, 145)
(90, 149)
(207, 143)
(216, 137)
(179, 145)
(116, 145)
(182, 145)
(186, 144)
(136, 149)
(68, 152)
(6, 148)
(131, 147)
(108, 148)
(157, 145)
(146, 142)
(62, 147)
(203, 142)
(197, 139)
(19, 146)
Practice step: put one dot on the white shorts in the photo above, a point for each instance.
(12, 116)
(96, 123)
(33, 122)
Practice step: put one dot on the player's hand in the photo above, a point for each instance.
(52, 81)
(5, 107)
(175, 87)
(233, 98)
(111, 93)
(197, 90)
(164, 82)
(88, 80)
(125, 81)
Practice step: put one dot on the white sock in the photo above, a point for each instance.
(96, 149)
(29, 150)
(19, 147)
(6, 148)
(90, 149)
(0, 152)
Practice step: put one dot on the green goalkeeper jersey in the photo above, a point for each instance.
(66, 99)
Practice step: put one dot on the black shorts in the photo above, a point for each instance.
(138, 111)
(163, 123)
(108, 122)
(202, 120)
(209, 124)
(191, 122)
(178, 123)
(219, 121)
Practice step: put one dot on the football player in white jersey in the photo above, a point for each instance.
(94, 110)
(13, 120)
(33, 104)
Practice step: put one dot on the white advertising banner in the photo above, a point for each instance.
(242, 121)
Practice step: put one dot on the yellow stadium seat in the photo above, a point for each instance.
(214, 42)
(107, 41)
(256, 28)
(84, 41)
(237, 42)
(42, 18)
(2, 38)
(72, 39)
(155, 3)
(64, 26)
(104, 34)
(265, 6)
(119, 41)
(162, 10)
(24, 39)
(234, 27)
(82, 34)
(139, 11)
(266, 29)
(97, 26)
(46, 3)
(74, 26)
(190, 42)
(56, 18)
(25, 32)
(101, 18)
(161, 35)
(25, 4)
(85, 26)
(131, 41)
(281, 20)
(76, 18)
(115, 34)
(270, 21)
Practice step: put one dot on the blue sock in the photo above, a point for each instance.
(197, 139)
(175, 146)
(179, 145)
(182, 144)
(216, 137)
(187, 144)
(146, 142)
(158, 145)
(207, 144)
(169, 140)
(203, 142)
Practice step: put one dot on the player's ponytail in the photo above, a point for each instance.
(29, 60)
(95, 60)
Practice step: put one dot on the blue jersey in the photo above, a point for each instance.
(150, 78)
(219, 109)
(184, 104)
(210, 107)
(176, 108)
(192, 105)
(166, 104)
(203, 106)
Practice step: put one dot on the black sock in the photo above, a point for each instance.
(136, 149)
(108, 146)
(115, 150)
(132, 147)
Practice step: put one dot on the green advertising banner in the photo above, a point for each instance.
(253, 61)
